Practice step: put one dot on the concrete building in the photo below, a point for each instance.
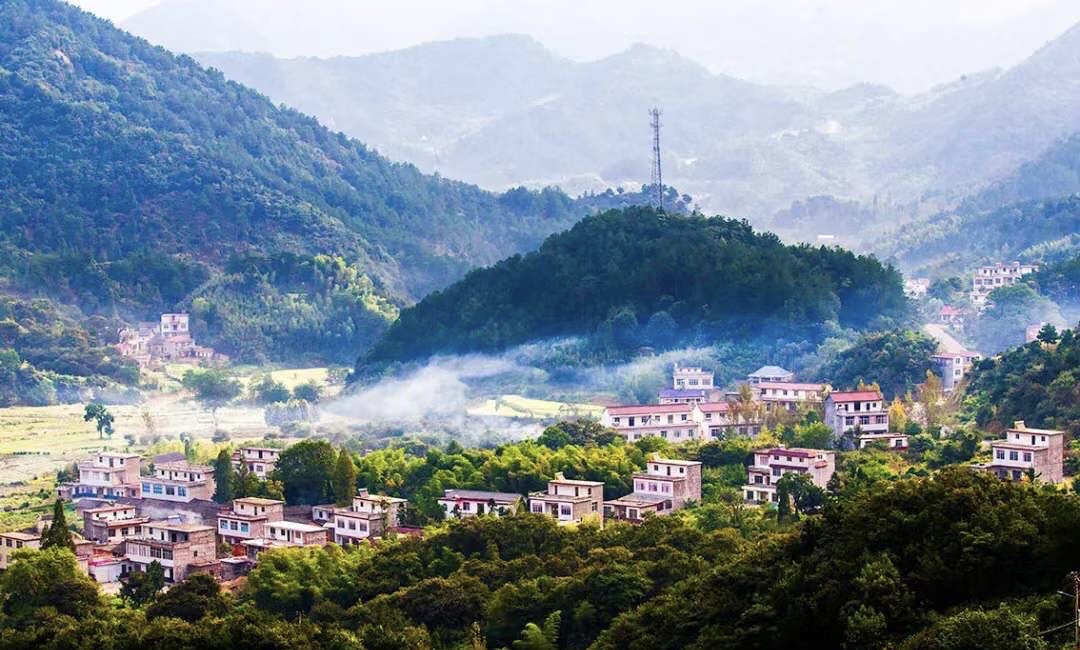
(248, 519)
(112, 524)
(107, 474)
(691, 378)
(770, 374)
(665, 486)
(282, 534)
(683, 396)
(260, 461)
(892, 441)
(675, 422)
(770, 465)
(789, 395)
(179, 481)
(569, 501)
(952, 367)
(719, 421)
(995, 276)
(847, 410)
(1025, 449)
(176, 546)
(470, 503)
(370, 515)
(15, 541)
(952, 316)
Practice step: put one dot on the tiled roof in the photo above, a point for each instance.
(786, 385)
(714, 407)
(855, 396)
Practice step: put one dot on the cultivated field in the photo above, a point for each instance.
(516, 406)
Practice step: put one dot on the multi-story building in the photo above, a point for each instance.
(675, 422)
(569, 501)
(248, 519)
(280, 534)
(112, 524)
(863, 409)
(107, 475)
(665, 486)
(770, 465)
(683, 396)
(892, 441)
(470, 503)
(953, 316)
(770, 374)
(1026, 450)
(691, 378)
(14, 541)
(953, 366)
(177, 546)
(995, 276)
(719, 420)
(260, 461)
(179, 481)
(370, 515)
(789, 395)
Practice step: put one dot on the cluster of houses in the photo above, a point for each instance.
(151, 344)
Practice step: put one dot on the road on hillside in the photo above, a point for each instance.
(947, 342)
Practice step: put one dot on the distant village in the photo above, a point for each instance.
(136, 511)
(169, 340)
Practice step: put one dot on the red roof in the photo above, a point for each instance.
(949, 310)
(714, 407)
(794, 451)
(789, 385)
(856, 396)
(647, 409)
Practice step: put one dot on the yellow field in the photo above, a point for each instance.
(516, 406)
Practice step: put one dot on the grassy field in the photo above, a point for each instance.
(516, 406)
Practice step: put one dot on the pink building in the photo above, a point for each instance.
(260, 461)
(248, 519)
(470, 503)
(107, 475)
(370, 515)
(770, 465)
(569, 501)
(179, 481)
(176, 546)
(112, 524)
(1024, 450)
(15, 541)
(847, 410)
(665, 486)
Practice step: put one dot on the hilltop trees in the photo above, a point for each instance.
(306, 470)
(57, 535)
(896, 360)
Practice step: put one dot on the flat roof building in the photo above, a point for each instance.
(569, 501)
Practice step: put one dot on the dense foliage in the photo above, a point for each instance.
(641, 277)
(897, 361)
(131, 176)
(1012, 309)
(1038, 383)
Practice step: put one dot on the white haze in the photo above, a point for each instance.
(909, 45)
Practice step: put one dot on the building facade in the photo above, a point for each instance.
(16, 541)
(770, 374)
(691, 378)
(569, 501)
(789, 395)
(106, 475)
(369, 515)
(259, 461)
(953, 367)
(112, 524)
(1028, 451)
(770, 465)
(179, 481)
(460, 504)
(665, 486)
(176, 546)
(891, 441)
(865, 410)
(248, 518)
(995, 276)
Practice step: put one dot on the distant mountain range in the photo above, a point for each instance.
(501, 111)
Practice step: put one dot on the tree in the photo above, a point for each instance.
(1048, 334)
(213, 389)
(344, 479)
(224, 477)
(1012, 309)
(198, 596)
(57, 535)
(306, 469)
(267, 391)
(50, 577)
(140, 587)
(932, 398)
(896, 360)
(534, 637)
(898, 416)
(101, 417)
(308, 391)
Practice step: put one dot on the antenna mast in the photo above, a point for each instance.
(657, 174)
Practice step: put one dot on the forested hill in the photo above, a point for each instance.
(129, 177)
(641, 277)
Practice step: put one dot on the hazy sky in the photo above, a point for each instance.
(907, 44)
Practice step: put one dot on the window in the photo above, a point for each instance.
(145, 487)
(1027, 456)
(223, 525)
(1000, 454)
(244, 527)
(170, 490)
(157, 489)
(565, 510)
(1014, 455)
(538, 508)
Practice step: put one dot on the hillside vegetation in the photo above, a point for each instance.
(642, 277)
(131, 176)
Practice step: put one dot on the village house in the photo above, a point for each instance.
(248, 519)
(179, 481)
(770, 465)
(952, 316)
(281, 534)
(719, 421)
(953, 366)
(176, 546)
(665, 486)
(369, 515)
(107, 474)
(675, 422)
(259, 461)
(1026, 450)
(789, 395)
(916, 287)
(862, 410)
(770, 374)
(682, 396)
(14, 541)
(691, 378)
(112, 524)
(569, 501)
(995, 276)
(150, 344)
(892, 441)
(470, 503)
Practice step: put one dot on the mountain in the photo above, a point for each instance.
(502, 111)
(634, 277)
(134, 179)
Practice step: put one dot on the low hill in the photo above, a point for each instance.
(131, 176)
(639, 276)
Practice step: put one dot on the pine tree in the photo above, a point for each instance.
(224, 477)
(57, 534)
(344, 479)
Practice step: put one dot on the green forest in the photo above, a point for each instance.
(639, 277)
